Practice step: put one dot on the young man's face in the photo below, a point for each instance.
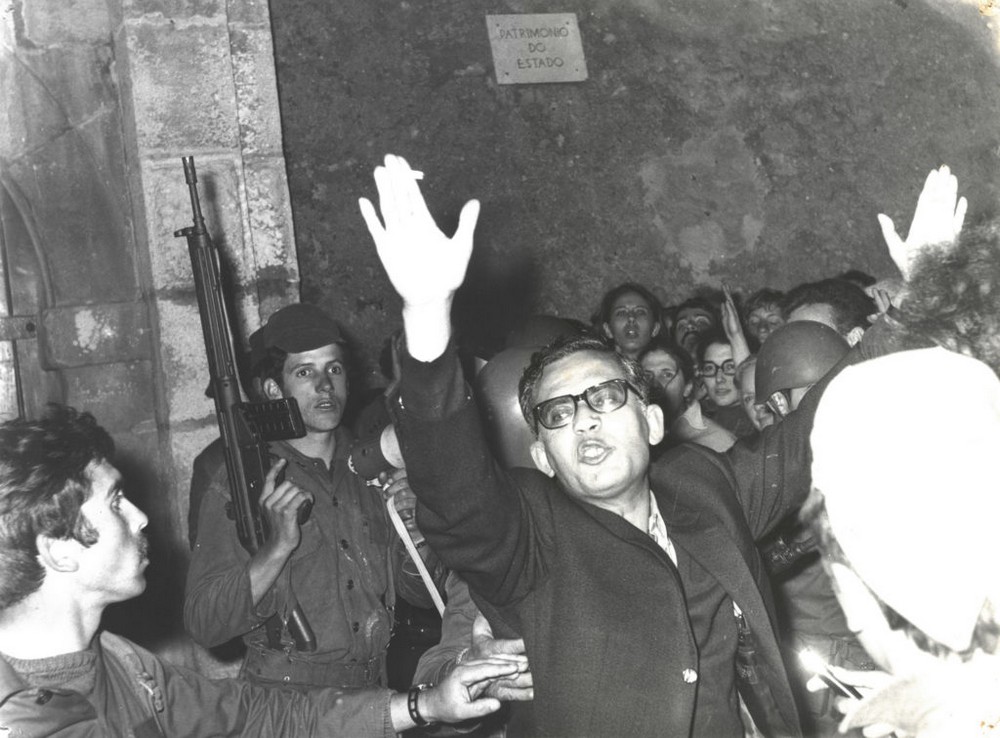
(112, 569)
(763, 321)
(602, 458)
(317, 379)
(631, 324)
(691, 323)
(721, 388)
(665, 372)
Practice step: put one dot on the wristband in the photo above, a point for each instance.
(411, 704)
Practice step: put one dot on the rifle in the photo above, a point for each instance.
(245, 427)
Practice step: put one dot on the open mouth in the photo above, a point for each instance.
(592, 452)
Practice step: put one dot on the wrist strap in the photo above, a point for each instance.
(411, 704)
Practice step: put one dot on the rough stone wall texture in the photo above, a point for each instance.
(98, 102)
(198, 79)
(749, 142)
(67, 230)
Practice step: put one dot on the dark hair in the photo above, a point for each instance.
(849, 304)
(762, 298)
(985, 634)
(701, 303)
(43, 484)
(858, 277)
(666, 345)
(608, 301)
(707, 339)
(560, 349)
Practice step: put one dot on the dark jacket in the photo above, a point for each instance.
(598, 602)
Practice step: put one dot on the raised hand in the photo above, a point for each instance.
(425, 266)
(733, 327)
(937, 220)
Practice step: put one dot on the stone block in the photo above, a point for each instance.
(173, 9)
(256, 90)
(80, 226)
(183, 362)
(96, 334)
(47, 92)
(168, 209)
(249, 12)
(57, 22)
(120, 395)
(181, 86)
(270, 214)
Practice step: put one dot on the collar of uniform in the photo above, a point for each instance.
(343, 437)
(10, 681)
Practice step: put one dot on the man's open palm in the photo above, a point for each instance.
(425, 266)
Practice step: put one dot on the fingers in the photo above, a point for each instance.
(271, 478)
(501, 646)
(959, 219)
(480, 669)
(467, 222)
(371, 218)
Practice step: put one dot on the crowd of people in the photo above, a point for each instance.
(730, 516)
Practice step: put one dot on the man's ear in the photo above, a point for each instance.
(654, 418)
(607, 330)
(656, 328)
(58, 554)
(271, 390)
(541, 458)
(854, 337)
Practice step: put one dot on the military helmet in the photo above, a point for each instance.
(797, 354)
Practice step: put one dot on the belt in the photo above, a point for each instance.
(270, 667)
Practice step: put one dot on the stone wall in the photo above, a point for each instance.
(748, 142)
(99, 102)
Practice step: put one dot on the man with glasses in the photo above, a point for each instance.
(630, 584)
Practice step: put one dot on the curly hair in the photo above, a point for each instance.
(560, 349)
(43, 484)
(953, 295)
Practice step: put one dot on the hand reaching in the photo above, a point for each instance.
(517, 687)
(937, 219)
(462, 694)
(425, 266)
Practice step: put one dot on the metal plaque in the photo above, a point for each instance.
(528, 49)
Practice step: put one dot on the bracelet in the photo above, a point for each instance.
(411, 704)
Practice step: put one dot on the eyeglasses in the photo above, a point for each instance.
(605, 397)
(710, 368)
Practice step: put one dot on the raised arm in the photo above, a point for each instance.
(425, 266)
(937, 220)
